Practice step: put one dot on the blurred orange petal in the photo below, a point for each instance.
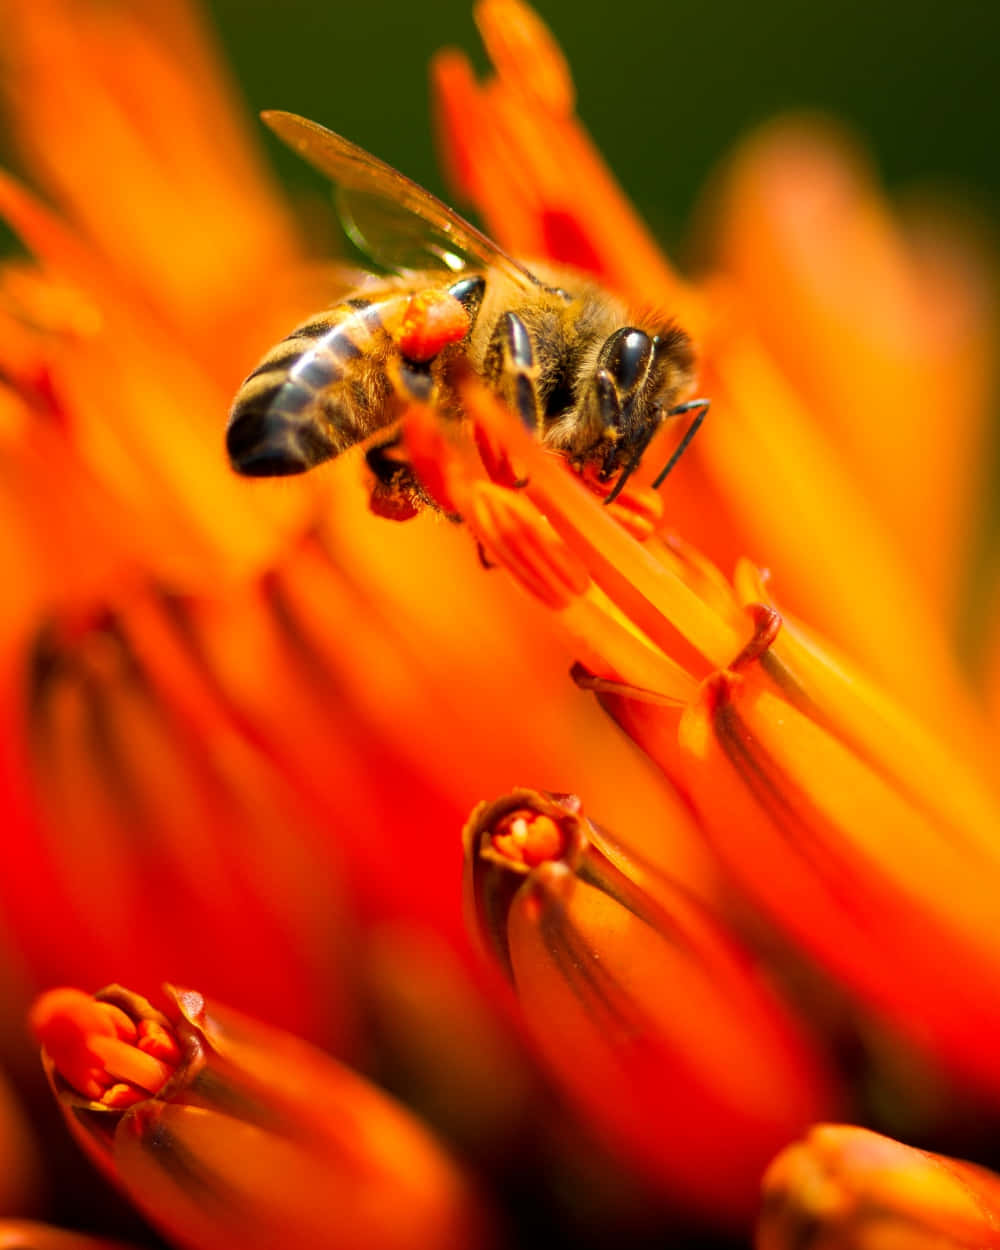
(791, 760)
(850, 1189)
(257, 1139)
(499, 139)
(886, 337)
(29, 1235)
(145, 821)
(655, 1024)
(160, 115)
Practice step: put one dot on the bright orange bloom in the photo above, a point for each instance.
(226, 1132)
(788, 755)
(850, 1189)
(194, 661)
(846, 822)
(830, 348)
(655, 1022)
(241, 723)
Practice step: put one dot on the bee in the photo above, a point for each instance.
(558, 349)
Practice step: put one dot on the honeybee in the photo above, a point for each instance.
(559, 350)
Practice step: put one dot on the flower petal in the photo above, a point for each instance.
(847, 1187)
(649, 1018)
(258, 1139)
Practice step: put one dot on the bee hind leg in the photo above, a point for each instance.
(396, 494)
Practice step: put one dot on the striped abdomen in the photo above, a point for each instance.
(320, 391)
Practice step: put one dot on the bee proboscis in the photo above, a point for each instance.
(561, 351)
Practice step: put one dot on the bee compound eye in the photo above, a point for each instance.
(627, 355)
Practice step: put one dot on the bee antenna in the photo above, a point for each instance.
(703, 406)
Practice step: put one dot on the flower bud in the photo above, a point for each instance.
(845, 1188)
(656, 1026)
(226, 1132)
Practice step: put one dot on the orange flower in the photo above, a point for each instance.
(847, 1187)
(654, 1021)
(242, 722)
(813, 284)
(194, 661)
(867, 841)
(227, 1132)
(788, 755)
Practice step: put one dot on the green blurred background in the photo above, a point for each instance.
(665, 88)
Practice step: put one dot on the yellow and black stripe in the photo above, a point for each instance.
(310, 397)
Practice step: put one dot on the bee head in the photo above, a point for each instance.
(637, 377)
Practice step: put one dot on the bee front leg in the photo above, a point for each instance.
(510, 370)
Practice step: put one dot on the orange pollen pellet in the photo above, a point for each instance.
(432, 320)
(102, 1052)
(529, 838)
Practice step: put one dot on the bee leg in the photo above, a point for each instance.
(606, 410)
(703, 406)
(396, 494)
(511, 371)
(621, 452)
(411, 379)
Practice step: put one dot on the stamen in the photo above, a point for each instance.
(101, 1051)
(656, 600)
(497, 461)
(156, 1039)
(129, 1063)
(616, 653)
(767, 624)
(514, 534)
(441, 464)
(638, 509)
(528, 837)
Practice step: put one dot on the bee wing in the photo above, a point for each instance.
(391, 218)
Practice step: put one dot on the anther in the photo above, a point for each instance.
(101, 1051)
(529, 838)
(767, 626)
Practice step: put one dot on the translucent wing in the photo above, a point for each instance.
(392, 219)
